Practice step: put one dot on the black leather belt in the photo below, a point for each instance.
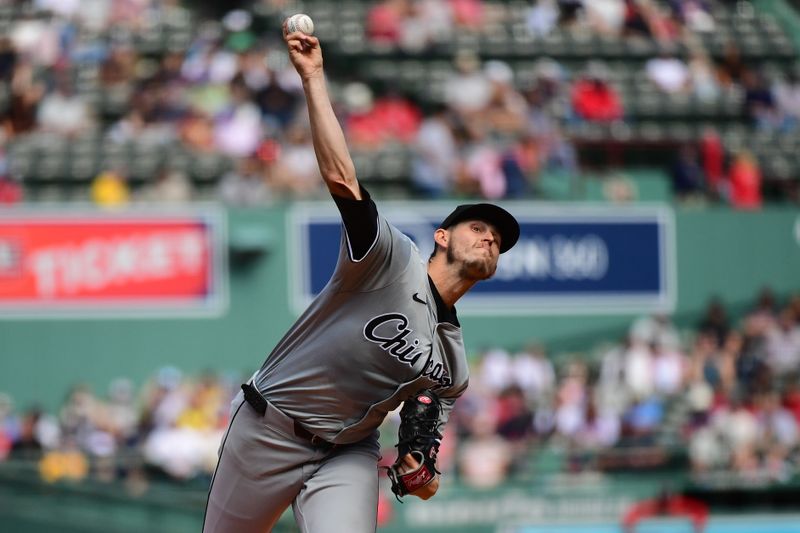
(254, 398)
(259, 404)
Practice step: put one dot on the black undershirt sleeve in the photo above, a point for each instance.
(360, 219)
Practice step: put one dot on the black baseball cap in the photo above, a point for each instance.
(506, 224)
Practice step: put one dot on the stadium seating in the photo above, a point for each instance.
(653, 121)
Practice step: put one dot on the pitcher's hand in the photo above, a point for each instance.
(305, 53)
(409, 464)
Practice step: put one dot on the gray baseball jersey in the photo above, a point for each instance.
(368, 341)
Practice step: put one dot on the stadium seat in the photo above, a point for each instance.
(208, 167)
(496, 41)
(553, 45)
(353, 40)
(146, 161)
(651, 131)
(677, 105)
(84, 159)
(679, 132)
(115, 100)
(178, 158)
(364, 163)
(610, 47)
(779, 167)
(46, 193)
(392, 164)
(52, 157)
(523, 43)
(149, 39)
(21, 157)
(326, 29)
(115, 156)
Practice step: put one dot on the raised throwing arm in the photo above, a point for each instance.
(333, 156)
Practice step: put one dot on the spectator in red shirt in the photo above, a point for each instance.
(594, 99)
(791, 397)
(744, 180)
(371, 122)
(10, 191)
(666, 504)
(468, 14)
(385, 21)
(400, 117)
(357, 104)
(712, 155)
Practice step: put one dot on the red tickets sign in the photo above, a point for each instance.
(124, 263)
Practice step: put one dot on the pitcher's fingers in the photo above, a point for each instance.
(410, 461)
(307, 40)
(296, 44)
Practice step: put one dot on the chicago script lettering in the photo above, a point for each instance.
(396, 345)
(390, 331)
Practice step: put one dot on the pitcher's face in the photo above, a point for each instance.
(474, 246)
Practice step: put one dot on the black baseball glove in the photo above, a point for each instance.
(418, 435)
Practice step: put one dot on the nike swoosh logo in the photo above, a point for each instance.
(416, 298)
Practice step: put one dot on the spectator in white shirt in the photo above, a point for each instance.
(435, 161)
(534, 373)
(64, 112)
(787, 97)
(468, 91)
(783, 344)
(668, 73)
(669, 369)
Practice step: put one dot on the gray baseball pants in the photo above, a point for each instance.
(264, 467)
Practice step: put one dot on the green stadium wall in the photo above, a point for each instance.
(719, 252)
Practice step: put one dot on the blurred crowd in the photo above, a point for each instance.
(75, 69)
(170, 428)
(721, 396)
(727, 393)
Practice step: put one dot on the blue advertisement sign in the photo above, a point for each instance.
(569, 259)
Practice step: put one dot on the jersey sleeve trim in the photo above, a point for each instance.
(371, 246)
(360, 224)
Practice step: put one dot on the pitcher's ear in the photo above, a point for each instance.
(441, 237)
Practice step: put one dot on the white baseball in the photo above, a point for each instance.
(300, 22)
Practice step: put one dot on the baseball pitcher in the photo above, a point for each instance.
(384, 331)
